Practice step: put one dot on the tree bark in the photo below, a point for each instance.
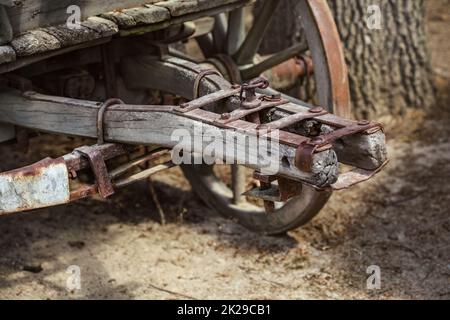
(389, 68)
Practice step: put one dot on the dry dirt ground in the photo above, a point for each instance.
(399, 222)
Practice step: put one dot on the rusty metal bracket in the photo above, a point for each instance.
(242, 113)
(99, 169)
(355, 176)
(200, 77)
(292, 119)
(251, 101)
(100, 118)
(208, 99)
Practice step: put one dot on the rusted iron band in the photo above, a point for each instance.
(99, 169)
(242, 113)
(101, 120)
(199, 78)
(292, 119)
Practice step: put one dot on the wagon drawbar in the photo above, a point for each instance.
(61, 81)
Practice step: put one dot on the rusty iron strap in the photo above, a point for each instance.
(292, 119)
(199, 78)
(99, 169)
(242, 113)
(208, 99)
(100, 118)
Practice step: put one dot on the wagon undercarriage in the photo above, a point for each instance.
(145, 98)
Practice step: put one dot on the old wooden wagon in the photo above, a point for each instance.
(130, 73)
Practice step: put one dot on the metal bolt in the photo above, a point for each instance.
(317, 140)
(316, 110)
(276, 97)
(363, 122)
(225, 116)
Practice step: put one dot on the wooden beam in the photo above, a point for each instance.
(33, 14)
(154, 125)
(365, 151)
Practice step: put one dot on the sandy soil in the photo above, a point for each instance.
(398, 221)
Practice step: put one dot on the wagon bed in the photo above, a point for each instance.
(37, 27)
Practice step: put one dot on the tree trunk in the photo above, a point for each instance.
(389, 68)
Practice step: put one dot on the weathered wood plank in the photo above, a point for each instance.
(6, 32)
(7, 54)
(182, 7)
(148, 125)
(33, 42)
(7, 132)
(33, 14)
(9, 3)
(29, 60)
(366, 151)
(91, 29)
(128, 18)
(53, 38)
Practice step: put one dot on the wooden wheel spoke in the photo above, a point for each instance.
(236, 30)
(206, 44)
(220, 32)
(256, 34)
(274, 60)
(269, 206)
(238, 177)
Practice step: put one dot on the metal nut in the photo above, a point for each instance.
(225, 116)
(317, 140)
(316, 110)
(363, 122)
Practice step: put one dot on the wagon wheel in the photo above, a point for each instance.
(234, 48)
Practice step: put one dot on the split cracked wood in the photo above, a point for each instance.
(149, 125)
(52, 38)
(365, 151)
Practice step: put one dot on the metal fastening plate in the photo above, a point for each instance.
(43, 184)
(99, 169)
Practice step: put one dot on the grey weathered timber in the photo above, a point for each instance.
(132, 17)
(363, 151)
(29, 60)
(33, 14)
(176, 20)
(139, 71)
(366, 151)
(7, 132)
(250, 46)
(149, 125)
(7, 54)
(8, 3)
(6, 32)
(33, 42)
(236, 30)
(53, 35)
(53, 38)
(178, 8)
